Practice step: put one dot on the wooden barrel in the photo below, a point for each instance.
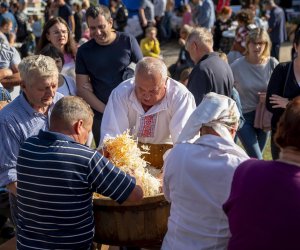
(141, 224)
(156, 152)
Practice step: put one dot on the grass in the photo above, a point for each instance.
(267, 152)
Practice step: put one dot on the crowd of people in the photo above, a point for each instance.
(83, 78)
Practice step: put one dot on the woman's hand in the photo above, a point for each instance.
(88, 86)
(278, 101)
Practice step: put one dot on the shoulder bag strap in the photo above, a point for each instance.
(67, 83)
(286, 78)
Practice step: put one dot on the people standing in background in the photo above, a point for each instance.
(37, 28)
(22, 22)
(119, 14)
(159, 12)
(166, 28)
(77, 21)
(284, 86)
(277, 29)
(245, 19)
(204, 13)
(215, 74)
(56, 31)
(146, 14)
(5, 14)
(103, 62)
(252, 73)
(222, 24)
(65, 12)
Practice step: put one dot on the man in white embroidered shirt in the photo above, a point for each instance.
(151, 105)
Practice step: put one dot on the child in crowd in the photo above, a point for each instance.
(184, 76)
(245, 19)
(37, 27)
(150, 44)
(184, 60)
(187, 15)
(222, 24)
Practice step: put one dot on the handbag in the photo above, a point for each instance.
(262, 115)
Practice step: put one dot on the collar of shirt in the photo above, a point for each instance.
(162, 105)
(54, 136)
(27, 107)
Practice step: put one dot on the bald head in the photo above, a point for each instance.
(150, 81)
(152, 66)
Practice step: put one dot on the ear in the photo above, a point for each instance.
(22, 85)
(78, 126)
(47, 36)
(295, 47)
(111, 21)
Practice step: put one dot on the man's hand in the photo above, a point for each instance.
(12, 188)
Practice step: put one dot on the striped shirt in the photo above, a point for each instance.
(18, 121)
(56, 178)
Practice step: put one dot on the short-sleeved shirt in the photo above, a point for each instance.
(263, 206)
(106, 65)
(9, 56)
(18, 121)
(65, 12)
(56, 178)
(148, 7)
(277, 24)
(210, 74)
(9, 15)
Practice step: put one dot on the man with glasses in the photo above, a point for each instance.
(152, 106)
(103, 62)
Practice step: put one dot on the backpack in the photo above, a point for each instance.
(121, 17)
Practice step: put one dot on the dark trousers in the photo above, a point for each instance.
(275, 50)
(97, 127)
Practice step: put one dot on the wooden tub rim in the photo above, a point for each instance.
(105, 201)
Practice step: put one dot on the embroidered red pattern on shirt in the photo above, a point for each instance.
(147, 126)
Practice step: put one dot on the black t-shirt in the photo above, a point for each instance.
(107, 64)
(64, 12)
(210, 74)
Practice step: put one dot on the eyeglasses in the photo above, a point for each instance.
(58, 32)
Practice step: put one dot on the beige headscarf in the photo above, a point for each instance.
(216, 111)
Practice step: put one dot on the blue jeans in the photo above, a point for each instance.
(253, 139)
